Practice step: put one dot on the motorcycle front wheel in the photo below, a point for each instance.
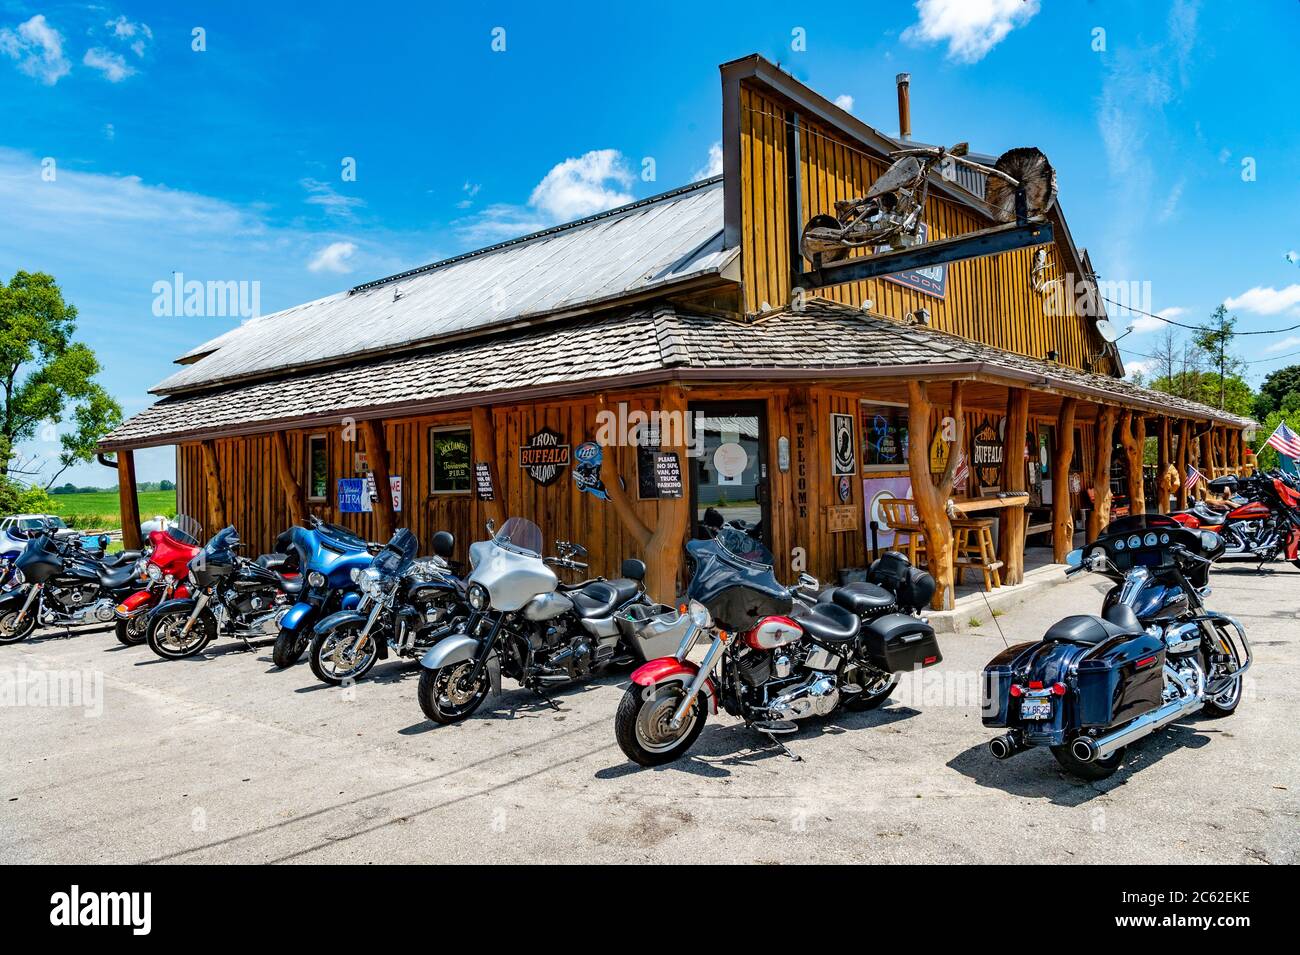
(642, 728)
(131, 632)
(289, 646)
(1225, 704)
(13, 632)
(336, 655)
(166, 637)
(447, 697)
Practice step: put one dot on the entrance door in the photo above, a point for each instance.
(729, 481)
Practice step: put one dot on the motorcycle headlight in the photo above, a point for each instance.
(316, 579)
(356, 575)
(478, 596)
(154, 572)
(699, 614)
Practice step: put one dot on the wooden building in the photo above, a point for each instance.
(622, 379)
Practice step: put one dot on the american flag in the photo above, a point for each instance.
(959, 476)
(1194, 477)
(1284, 441)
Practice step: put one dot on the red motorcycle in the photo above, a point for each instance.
(1265, 525)
(169, 555)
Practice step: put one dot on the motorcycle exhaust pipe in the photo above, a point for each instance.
(1005, 746)
(1086, 749)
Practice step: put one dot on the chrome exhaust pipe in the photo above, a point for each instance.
(1086, 749)
(1005, 746)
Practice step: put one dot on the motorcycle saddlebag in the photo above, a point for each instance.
(1120, 679)
(898, 642)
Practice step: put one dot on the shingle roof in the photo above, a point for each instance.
(651, 344)
(629, 251)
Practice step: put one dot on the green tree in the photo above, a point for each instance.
(1208, 388)
(1215, 339)
(1273, 392)
(47, 376)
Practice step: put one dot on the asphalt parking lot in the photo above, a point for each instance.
(224, 759)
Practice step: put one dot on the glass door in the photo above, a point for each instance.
(729, 482)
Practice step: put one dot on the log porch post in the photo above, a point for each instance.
(293, 496)
(212, 478)
(1133, 435)
(1162, 466)
(377, 457)
(1099, 516)
(1011, 543)
(932, 499)
(1062, 514)
(128, 500)
(1184, 449)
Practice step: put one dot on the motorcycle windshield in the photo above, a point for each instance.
(397, 554)
(736, 590)
(220, 546)
(521, 536)
(184, 530)
(338, 538)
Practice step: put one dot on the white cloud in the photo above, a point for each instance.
(1137, 366)
(112, 65)
(845, 102)
(333, 258)
(970, 27)
(1150, 323)
(333, 202)
(38, 49)
(591, 183)
(1266, 301)
(135, 35)
(711, 168)
(1291, 341)
(1171, 201)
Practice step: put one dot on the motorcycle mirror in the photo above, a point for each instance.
(491, 528)
(1074, 558)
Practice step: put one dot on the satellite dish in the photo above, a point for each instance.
(1107, 331)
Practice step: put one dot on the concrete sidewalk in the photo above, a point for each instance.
(224, 759)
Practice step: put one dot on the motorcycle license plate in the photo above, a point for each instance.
(1040, 709)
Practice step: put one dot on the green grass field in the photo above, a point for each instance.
(99, 510)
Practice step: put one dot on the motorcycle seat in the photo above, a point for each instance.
(121, 557)
(828, 622)
(1088, 629)
(290, 585)
(862, 598)
(114, 578)
(596, 599)
(624, 589)
(272, 561)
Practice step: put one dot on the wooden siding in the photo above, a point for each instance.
(989, 300)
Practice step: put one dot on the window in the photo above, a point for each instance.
(449, 460)
(318, 467)
(884, 436)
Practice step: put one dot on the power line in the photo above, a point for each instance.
(1194, 328)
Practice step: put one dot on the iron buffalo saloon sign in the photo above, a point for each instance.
(544, 456)
(988, 452)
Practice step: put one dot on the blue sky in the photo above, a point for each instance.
(226, 164)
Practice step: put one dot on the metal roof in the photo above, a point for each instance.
(639, 248)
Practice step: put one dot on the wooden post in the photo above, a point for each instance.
(485, 451)
(1011, 541)
(293, 496)
(128, 500)
(1062, 515)
(1099, 516)
(1162, 466)
(1133, 436)
(1184, 459)
(377, 458)
(1236, 451)
(931, 499)
(662, 548)
(1207, 458)
(212, 478)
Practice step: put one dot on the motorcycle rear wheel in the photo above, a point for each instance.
(131, 633)
(1094, 770)
(445, 698)
(289, 646)
(11, 634)
(872, 696)
(641, 724)
(333, 664)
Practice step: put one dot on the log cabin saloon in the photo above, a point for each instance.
(544, 377)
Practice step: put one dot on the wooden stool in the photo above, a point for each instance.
(973, 540)
(901, 518)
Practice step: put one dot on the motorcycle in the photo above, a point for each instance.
(782, 654)
(18, 530)
(1094, 685)
(527, 624)
(890, 215)
(406, 606)
(56, 583)
(166, 566)
(229, 594)
(327, 555)
(1262, 520)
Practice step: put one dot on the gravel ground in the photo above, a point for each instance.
(224, 759)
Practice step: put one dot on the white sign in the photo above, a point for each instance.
(730, 460)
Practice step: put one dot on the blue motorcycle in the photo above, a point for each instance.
(326, 555)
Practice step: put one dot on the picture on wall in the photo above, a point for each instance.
(844, 455)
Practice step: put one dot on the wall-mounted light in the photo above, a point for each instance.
(1053, 355)
(919, 317)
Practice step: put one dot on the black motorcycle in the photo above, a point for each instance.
(526, 624)
(57, 582)
(775, 654)
(229, 594)
(1096, 684)
(406, 607)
